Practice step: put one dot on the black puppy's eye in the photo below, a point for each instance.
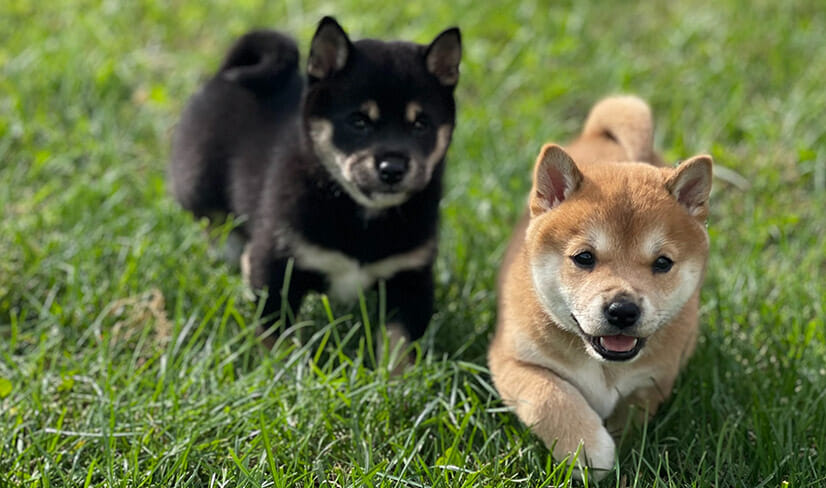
(584, 260)
(662, 265)
(421, 123)
(359, 121)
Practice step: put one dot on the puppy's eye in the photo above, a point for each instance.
(360, 121)
(421, 123)
(662, 265)
(584, 260)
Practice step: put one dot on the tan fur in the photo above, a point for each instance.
(627, 213)
(371, 108)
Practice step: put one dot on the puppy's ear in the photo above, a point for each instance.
(329, 49)
(690, 184)
(443, 55)
(555, 178)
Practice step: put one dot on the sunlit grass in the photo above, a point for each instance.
(127, 349)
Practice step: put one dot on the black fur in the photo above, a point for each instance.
(244, 146)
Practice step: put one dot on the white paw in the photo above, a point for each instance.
(395, 351)
(598, 456)
(245, 274)
(245, 265)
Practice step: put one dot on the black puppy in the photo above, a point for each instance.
(341, 174)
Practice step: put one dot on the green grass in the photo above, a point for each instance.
(127, 352)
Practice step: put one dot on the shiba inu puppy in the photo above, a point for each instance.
(340, 174)
(599, 288)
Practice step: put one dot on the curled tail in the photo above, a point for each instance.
(626, 120)
(261, 61)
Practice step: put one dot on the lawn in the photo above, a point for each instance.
(127, 347)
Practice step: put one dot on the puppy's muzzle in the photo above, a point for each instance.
(392, 167)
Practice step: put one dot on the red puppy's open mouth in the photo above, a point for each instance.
(614, 347)
(617, 347)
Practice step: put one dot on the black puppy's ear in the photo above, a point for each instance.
(329, 49)
(443, 56)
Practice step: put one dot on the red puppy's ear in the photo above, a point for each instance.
(690, 184)
(555, 178)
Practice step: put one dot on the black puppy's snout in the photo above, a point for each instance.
(392, 167)
(622, 313)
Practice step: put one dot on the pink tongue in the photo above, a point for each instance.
(618, 343)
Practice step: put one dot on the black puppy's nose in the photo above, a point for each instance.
(392, 168)
(622, 313)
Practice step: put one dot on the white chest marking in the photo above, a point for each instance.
(588, 377)
(347, 276)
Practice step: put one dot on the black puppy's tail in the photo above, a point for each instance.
(261, 61)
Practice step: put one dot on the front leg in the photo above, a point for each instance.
(264, 269)
(556, 412)
(409, 301)
(409, 305)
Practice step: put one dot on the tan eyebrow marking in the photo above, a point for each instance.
(413, 109)
(371, 108)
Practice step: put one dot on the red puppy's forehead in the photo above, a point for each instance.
(627, 211)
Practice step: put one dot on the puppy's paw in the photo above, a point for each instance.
(582, 430)
(598, 456)
(246, 269)
(558, 413)
(395, 351)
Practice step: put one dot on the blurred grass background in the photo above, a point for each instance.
(127, 353)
